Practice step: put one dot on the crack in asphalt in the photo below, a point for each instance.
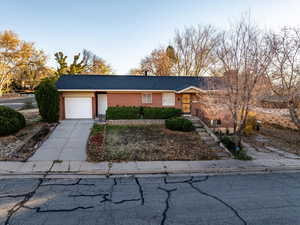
(20, 204)
(191, 182)
(219, 200)
(106, 199)
(115, 182)
(27, 197)
(13, 196)
(164, 214)
(72, 184)
(140, 190)
(87, 195)
(191, 179)
(127, 200)
(39, 210)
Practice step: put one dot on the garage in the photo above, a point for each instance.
(78, 108)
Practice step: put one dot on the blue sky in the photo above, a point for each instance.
(124, 31)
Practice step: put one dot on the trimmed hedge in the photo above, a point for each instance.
(124, 112)
(11, 121)
(160, 113)
(47, 98)
(132, 112)
(179, 123)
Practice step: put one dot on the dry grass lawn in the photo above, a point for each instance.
(149, 143)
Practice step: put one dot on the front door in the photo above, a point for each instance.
(186, 103)
(102, 104)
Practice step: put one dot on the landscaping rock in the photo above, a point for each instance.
(20, 146)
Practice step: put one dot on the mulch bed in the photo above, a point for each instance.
(95, 147)
(146, 143)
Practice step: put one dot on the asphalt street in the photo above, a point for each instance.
(260, 199)
(17, 103)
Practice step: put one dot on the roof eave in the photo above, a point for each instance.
(115, 90)
(191, 88)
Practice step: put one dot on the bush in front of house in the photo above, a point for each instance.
(123, 112)
(251, 124)
(228, 142)
(11, 121)
(230, 145)
(179, 123)
(47, 98)
(160, 113)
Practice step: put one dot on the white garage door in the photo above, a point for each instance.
(78, 108)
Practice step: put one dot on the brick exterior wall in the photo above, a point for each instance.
(135, 99)
(61, 107)
(94, 107)
(208, 107)
(116, 99)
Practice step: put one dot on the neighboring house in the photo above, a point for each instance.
(87, 96)
(275, 101)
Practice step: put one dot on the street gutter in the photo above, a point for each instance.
(163, 172)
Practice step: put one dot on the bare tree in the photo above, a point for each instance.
(194, 50)
(189, 54)
(284, 72)
(244, 58)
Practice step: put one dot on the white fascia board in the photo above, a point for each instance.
(191, 87)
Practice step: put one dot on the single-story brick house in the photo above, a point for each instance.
(87, 96)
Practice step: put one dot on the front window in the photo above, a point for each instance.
(168, 99)
(147, 98)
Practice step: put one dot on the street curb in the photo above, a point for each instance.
(212, 171)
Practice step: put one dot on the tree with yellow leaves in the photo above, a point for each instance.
(17, 57)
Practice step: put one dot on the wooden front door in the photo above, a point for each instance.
(186, 103)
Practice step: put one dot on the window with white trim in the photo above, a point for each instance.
(147, 98)
(168, 99)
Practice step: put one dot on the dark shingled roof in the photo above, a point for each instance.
(124, 82)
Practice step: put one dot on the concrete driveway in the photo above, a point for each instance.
(67, 142)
